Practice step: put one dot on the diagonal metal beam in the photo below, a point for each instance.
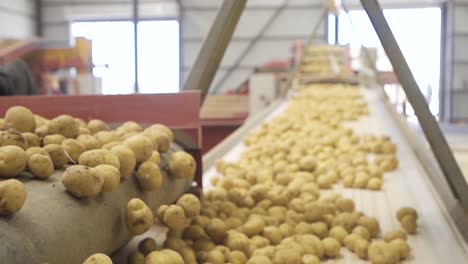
(212, 51)
(429, 125)
(251, 44)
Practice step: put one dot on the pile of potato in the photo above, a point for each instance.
(268, 206)
(94, 157)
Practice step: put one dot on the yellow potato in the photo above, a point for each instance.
(40, 166)
(64, 125)
(36, 150)
(80, 122)
(141, 147)
(155, 157)
(84, 131)
(92, 158)
(190, 203)
(13, 161)
(97, 125)
(82, 182)
(53, 139)
(32, 140)
(111, 144)
(98, 258)
(182, 165)
(12, 196)
(40, 121)
(105, 137)
(149, 176)
(89, 141)
(163, 128)
(12, 137)
(110, 175)
(136, 257)
(73, 148)
(147, 246)
(57, 154)
(126, 158)
(138, 217)
(20, 118)
(42, 131)
(2, 124)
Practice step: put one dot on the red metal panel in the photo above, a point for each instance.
(174, 110)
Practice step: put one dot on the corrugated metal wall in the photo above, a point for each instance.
(16, 19)
(250, 46)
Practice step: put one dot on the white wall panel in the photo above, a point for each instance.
(196, 24)
(16, 19)
(294, 22)
(461, 19)
(190, 52)
(266, 51)
(233, 52)
(461, 48)
(460, 76)
(59, 33)
(251, 22)
(153, 9)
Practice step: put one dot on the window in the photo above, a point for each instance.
(114, 55)
(421, 49)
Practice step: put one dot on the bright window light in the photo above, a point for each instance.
(158, 56)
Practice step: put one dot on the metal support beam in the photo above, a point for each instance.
(251, 44)
(212, 51)
(38, 18)
(428, 123)
(136, 5)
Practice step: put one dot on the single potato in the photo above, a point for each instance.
(138, 217)
(12, 196)
(98, 258)
(57, 154)
(64, 125)
(20, 118)
(89, 141)
(40, 166)
(13, 161)
(97, 125)
(53, 139)
(149, 176)
(32, 140)
(82, 182)
(182, 165)
(12, 137)
(73, 148)
(111, 177)
(141, 147)
(92, 158)
(126, 158)
(36, 150)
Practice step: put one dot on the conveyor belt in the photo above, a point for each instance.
(438, 240)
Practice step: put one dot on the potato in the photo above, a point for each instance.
(53, 139)
(40, 121)
(163, 128)
(149, 176)
(80, 122)
(40, 166)
(64, 125)
(110, 175)
(408, 223)
(57, 154)
(12, 196)
(136, 257)
(98, 258)
(401, 246)
(36, 150)
(182, 165)
(89, 141)
(82, 182)
(92, 158)
(188, 254)
(2, 124)
(394, 234)
(381, 252)
(141, 147)
(32, 140)
(42, 131)
(138, 217)
(147, 246)
(332, 247)
(190, 204)
(96, 125)
(84, 131)
(73, 148)
(403, 211)
(164, 256)
(13, 160)
(155, 157)
(160, 139)
(105, 137)
(12, 137)
(174, 217)
(258, 259)
(126, 158)
(111, 144)
(130, 126)
(20, 118)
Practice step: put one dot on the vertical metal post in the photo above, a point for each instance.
(428, 123)
(443, 63)
(212, 51)
(38, 16)
(136, 5)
